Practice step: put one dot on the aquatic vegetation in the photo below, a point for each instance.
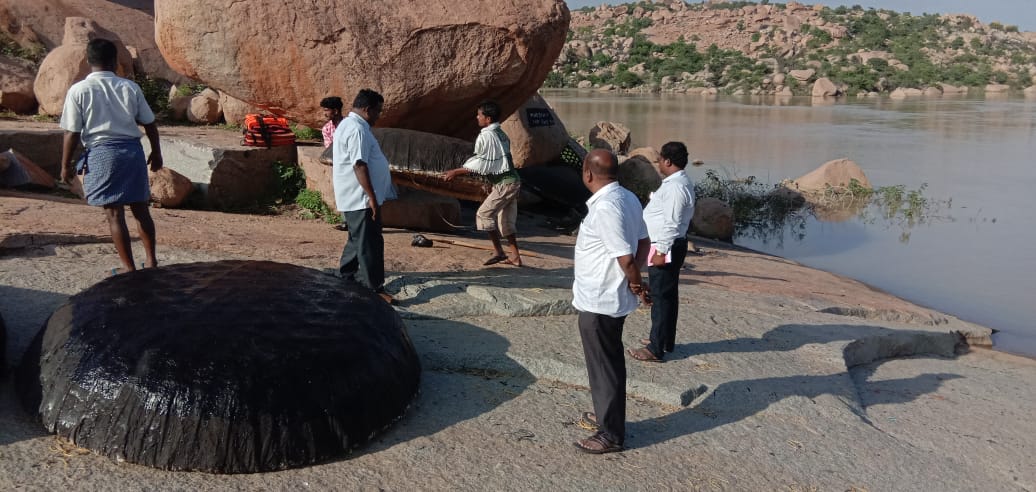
(770, 212)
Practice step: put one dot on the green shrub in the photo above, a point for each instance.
(288, 180)
(313, 202)
(156, 92)
(189, 89)
(303, 132)
(9, 47)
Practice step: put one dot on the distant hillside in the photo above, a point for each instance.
(772, 48)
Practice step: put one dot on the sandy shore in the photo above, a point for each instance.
(784, 377)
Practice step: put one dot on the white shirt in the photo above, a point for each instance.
(105, 106)
(612, 228)
(354, 142)
(490, 152)
(668, 214)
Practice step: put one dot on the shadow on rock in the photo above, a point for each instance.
(24, 312)
(467, 373)
(424, 287)
(867, 343)
(832, 397)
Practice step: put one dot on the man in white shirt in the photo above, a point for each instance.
(104, 111)
(612, 243)
(362, 182)
(498, 214)
(668, 215)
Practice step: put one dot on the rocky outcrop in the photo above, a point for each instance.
(836, 175)
(234, 109)
(433, 63)
(66, 64)
(610, 136)
(713, 219)
(204, 108)
(169, 189)
(41, 23)
(537, 134)
(803, 75)
(647, 153)
(16, 81)
(823, 87)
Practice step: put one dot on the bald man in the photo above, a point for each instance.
(612, 243)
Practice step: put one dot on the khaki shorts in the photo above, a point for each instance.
(499, 210)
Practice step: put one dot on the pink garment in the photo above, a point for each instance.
(328, 131)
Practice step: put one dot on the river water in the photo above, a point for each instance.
(973, 258)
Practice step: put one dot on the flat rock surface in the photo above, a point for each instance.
(781, 379)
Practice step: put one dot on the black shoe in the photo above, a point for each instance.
(421, 242)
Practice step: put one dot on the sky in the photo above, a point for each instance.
(1021, 13)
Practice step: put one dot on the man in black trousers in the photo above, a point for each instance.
(667, 215)
(612, 244)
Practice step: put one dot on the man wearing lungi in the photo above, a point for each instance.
(104, 111)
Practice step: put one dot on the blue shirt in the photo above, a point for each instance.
(354, 142)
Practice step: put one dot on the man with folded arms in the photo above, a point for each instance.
(668, 215)
(611, 246)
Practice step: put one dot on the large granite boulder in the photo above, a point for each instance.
(66, 64)
(823, 87)
(224, 367)
(16, 80)
(204, 108)
(41, 23)
(169, 189)
(610, 136)
(234, 109)
(433, 64)
(713, 219)
(228, 175)
(836, 175)
(537, 134)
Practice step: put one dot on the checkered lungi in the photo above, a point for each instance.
(114, 173)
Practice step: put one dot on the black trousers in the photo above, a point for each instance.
(606, 369)
(664, 282)
(363, 257)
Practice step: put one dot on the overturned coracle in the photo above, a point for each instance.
(226, 367)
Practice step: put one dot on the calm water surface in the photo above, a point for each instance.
(975, 262)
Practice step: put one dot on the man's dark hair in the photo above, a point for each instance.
(491, 110)
(676, 152)
(367, 98)
(101, 53)
(332, 102)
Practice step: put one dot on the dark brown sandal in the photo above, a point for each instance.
(598, 444)
(495, 259)
(643, 355)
